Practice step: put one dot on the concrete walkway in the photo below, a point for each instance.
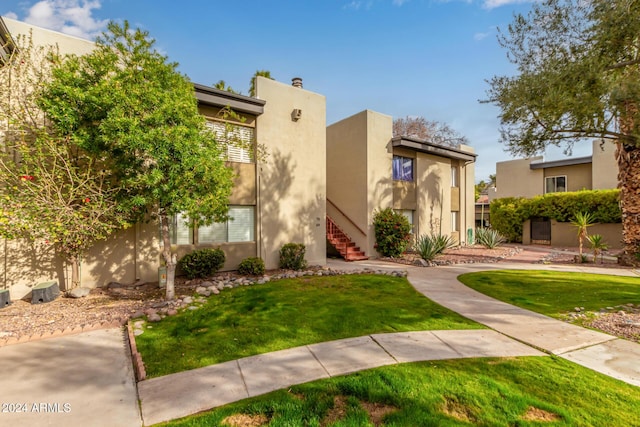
(75, 381)
(87, 379)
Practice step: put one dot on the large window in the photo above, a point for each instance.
(239, 228)
(239, 140)
(555, 184)
(402, 168)
(455, 176)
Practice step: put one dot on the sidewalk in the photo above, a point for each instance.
(83, 380)
(87, 379)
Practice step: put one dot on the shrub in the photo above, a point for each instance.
(429, 245)
(508, 214)
(251, 266)
(392, 231)
(489, 238)
(292, 256)
(202, 262)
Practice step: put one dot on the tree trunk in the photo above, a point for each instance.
(170, 259)
(75, 272)
(628, 158)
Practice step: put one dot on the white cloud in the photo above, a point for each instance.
(492, 4)
(480, 36)
(11, 15)
(355, 5)
(399, 2)
(73, 17)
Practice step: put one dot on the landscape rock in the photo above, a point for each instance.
(155, 317)
(79, 292)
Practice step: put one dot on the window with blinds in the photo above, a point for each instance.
(239, 228)
(238, 139)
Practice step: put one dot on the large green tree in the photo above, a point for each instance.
(129, 107)
(50, 189)
(578, 77)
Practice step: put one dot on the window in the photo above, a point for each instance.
(455, 223)
(402, 168)
(455, 176)
(409, 215)
(238, 139)
(239, 228)
(555, 184)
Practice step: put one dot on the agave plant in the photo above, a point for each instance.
(431, 245)
(489, 238)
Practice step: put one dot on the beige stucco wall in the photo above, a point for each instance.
(563, 234)
(578, 176)
(359, 176)
(514, 178)
(467, 195)
(433, 180)
(347, 179)
(43, 37)
(604, 166)
(292, 179)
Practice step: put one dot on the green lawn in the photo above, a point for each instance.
(288, 313)
(555, 293)
(531, 391)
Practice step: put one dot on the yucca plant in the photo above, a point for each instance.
(581, 221)
(598, 245)
(489, 238)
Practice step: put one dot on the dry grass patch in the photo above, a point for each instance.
(537, 414)
(244, 420)
(376, 411)
(455, 409)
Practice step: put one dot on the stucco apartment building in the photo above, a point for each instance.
(533, 176)
(309, 170)
(369, 169)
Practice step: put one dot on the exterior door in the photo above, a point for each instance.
(541, 231)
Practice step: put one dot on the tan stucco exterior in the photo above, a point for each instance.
(43, 37)
(292, 179)
(360, 181)
(604, 166)
(359, 174)
(514, 178)
(517, 178)
(563, 234)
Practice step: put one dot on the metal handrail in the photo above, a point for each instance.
(347, 217)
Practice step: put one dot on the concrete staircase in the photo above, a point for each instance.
(343, 243)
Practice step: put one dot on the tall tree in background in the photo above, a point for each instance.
(432, 131)
(51, 189)
(578, 77)
(126, 105)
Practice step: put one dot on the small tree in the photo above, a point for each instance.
(261, 73)
(392, 231)
(126, 104)
(582, 220)
(52, 189)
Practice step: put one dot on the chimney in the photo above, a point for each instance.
(296, 82)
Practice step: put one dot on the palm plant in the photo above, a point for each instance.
(581, 221)
(597, 244)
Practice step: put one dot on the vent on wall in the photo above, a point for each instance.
(296, 114)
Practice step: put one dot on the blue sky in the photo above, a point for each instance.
(427, 58)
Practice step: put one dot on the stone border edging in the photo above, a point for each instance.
(136, 357)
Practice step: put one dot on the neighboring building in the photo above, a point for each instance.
(369, 169)
(352, 167)
(533, 176)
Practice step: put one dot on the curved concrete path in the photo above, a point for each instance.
(92, 371)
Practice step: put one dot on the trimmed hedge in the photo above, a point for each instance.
(202, 262)
(292, 256)
(508, 214)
